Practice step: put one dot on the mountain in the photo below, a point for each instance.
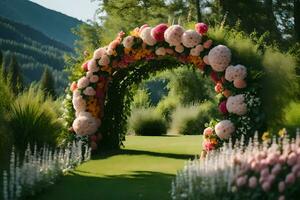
(53, 24)
(34, 50)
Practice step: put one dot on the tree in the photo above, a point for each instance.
(198, 10)
(47, 83)
(297, 18)
(15, 75)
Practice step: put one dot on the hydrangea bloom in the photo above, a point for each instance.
(89, 91)
(179, 48)
(79, 103)
(94, 78)
(83, 82)
(99, 53)
(146, 36)
(235, 104)
(190, 38)
(92, 66)
(161, 51)
(104, 60)
(219, 58)
(128, 42)
(85, 124)
(235, 72)
(173, 35)
(224, 129)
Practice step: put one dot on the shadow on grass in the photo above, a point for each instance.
(143, 152)
(136, 185)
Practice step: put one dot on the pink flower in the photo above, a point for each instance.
(85, 66)
(219, 58)
(281, 197)
(92, 66)
(190, 38)
(142, 28)
(158, 32)
(89, 91)
(222, 107)
(179, 48)
(241, 181)
(276, 169)
(104, 61)
(235, 104)
(128, 42)
(207, 44)
(264, 172)
(266, 186)
(73, 86)
(296, 168)
(161, 51)
(208, 131)
(173, 35)
(98, 53)
(83, 82)
(239, 83)
(290, 178)
(219, 88)
(292, 159)
(94, 78)
(224, 129)
(113, 45)
(201, 28)
(281, 186)
(252, 182)
(208, 146)
(146, 36)
(169, 51)
(205, 59)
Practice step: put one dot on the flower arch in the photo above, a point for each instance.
(100, 97)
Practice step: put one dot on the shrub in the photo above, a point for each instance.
(141, 99)
(166, 107)
(292, 116)
(34, 118)
(191, 120)
(147, 122)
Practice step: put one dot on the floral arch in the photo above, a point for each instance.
(101, 96)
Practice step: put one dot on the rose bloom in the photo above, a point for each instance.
(94, 78)
(208, 131)
(89, 91)
(219, 88)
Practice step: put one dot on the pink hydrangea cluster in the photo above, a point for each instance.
(219, 58)
(224, 129)
(237, 74)
(236, 104)
(85, 124)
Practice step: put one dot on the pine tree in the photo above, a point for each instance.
(15, 75)
(47, 83)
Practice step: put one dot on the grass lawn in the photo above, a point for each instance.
(144, 169)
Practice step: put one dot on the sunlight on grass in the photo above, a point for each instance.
(144, 169)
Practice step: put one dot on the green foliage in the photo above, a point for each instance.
(33, 50)
(35, 119)
(141, 99)
(189, 85)
(147, 122)
(191, 120)
(166, 107)
(15, 76)
(292, 116)
(47, 83)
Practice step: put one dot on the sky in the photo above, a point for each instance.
(80, 9)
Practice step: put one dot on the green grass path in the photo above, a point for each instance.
(144, 169)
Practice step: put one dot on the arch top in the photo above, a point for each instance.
(153, 43)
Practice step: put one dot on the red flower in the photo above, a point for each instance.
(85, 66)
(214, 76)
(201, 28)
(158, 32)
(222, 107)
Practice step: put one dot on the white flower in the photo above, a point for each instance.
(224, 129)
(83, 82)
(128, 42)
(190, 38)
(94, 78)
(89, 91)
(219, 58)
(235, 104)
(147, 37)
(161, 51)
(85, 124)
(173, 35)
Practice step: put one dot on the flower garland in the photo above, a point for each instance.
(238, 100)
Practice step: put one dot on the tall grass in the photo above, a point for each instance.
(34, 118)
(191, 120)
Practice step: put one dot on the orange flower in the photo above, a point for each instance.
(227, 93)
(135, 32)
(219, 87)
(73, 86)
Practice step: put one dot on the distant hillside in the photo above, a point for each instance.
(34, 51)
(53, 24)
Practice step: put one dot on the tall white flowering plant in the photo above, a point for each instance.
(40, 168)
(269, 170)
